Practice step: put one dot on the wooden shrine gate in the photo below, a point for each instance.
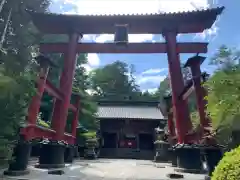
(169, 25)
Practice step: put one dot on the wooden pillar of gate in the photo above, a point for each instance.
(35, 104)
(194, 63)
(61, 107)
(181, 113)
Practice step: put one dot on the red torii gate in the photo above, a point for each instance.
(76, 26)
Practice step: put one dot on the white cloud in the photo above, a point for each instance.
(87, 67)
(150, 79)
(103, 38)
(154, 71)
(96, 7)
(151, 90)
(93, 59)
(88, 37)
(208, 34)
(140, 37)
(110, 38)
(182, 5)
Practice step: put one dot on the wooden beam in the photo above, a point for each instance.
(52, 90)
(188, 92)
(130, 48)
(72, 108)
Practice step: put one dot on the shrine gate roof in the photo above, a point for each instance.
(183, 22)
(138, 111)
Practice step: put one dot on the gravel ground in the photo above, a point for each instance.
(108, 169)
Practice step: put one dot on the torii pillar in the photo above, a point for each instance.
(212, 151)
(55, 148)
(181, 113)
(194, 63)
(183, 149)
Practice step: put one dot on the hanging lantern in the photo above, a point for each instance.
(121, 34)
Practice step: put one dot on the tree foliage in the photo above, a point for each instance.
(117, 82)
(14, 101)
(223, 91)
(18, 42)
(114, 82)
(228, 167)
(80, 85)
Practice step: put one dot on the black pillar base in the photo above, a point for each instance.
(52, 155)
(81, 150)
(189, 158)
(21, 154)
(173, 157)
(76, 153)
(36, 147)
(69, 154)
(212, 155)
(16, 173)
(162, 153)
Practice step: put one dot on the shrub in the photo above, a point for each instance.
(14, 100)
(229, 167)
(42, 123)
(90, 134)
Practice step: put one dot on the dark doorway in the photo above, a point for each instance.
(146, 142)
(109, 140)
(128, 141)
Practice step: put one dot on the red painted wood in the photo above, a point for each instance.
(180, 109)
(34, 106)
(188, 93)
(184, 47)
(72, 108)
(200, 95)
(60, 111)
(41, 132)
(70, 139)
(56, 93)
(53, 91)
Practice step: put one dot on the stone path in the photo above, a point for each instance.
(108, 169)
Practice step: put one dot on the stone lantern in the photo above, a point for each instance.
(161, 146)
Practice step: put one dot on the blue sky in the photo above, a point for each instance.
(152, 68)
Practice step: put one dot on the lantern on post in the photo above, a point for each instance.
(44, 63)
(205, 76)
(121, 34)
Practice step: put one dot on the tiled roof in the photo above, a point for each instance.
(184, 22)
(129, 112)
(206, 10)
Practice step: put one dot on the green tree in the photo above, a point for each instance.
(163, 88)
(80, 86)
(223, 91)
(226, 58)
(18, 42)
(114, 82)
